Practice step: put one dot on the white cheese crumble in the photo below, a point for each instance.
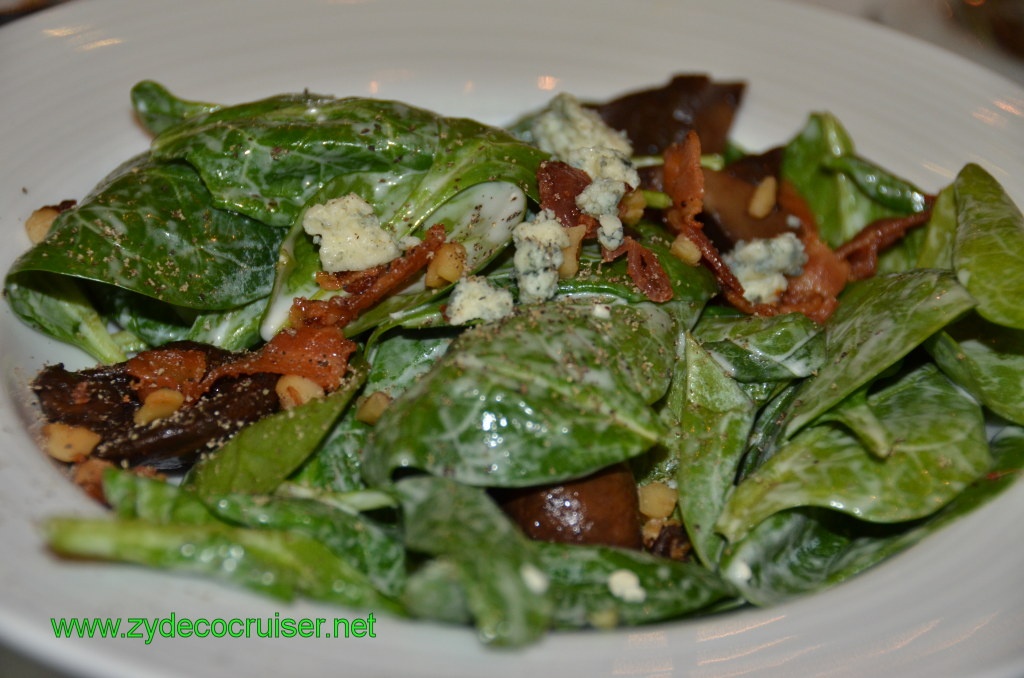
(610, 233)
(474, 298)
(625, 585)
(762, 265)
(566, 124)
(601, 196)
(534, 579)
(349, 235)
(610, 172)
(602, 162)
(539, 245)
(601, 311)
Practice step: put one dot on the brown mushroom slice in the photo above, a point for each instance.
(178, 439)
(101, 398)
(729, 194)
(656, 118)
(602, 508)
(98, 399)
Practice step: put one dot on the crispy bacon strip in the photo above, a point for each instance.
(353, 282)
(643, 268)
(684, 179)
(814, 292)
(861, 252)
(684, 183)
(646, 272)
(558, 184)
(366, 290)
(318, 353)
(181, 370)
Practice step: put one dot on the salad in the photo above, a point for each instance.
(600, 368)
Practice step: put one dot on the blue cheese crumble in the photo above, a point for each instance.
(349, 235)
(566, 124)
(611, 175)
(474, 298)
(762, 265)
(539, 244)
(601, 162)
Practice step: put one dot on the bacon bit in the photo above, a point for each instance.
(684, 179)
(319, 354)
(89, 476)
(684, 183)
(814, 292)
(861, 252)
(558, 184)
(644, 269)
(608, 255)
(367, 288)
(175, 369)
(353, 282)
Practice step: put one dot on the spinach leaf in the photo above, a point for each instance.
(336, 465)
(434, 591)
(584, 586)
(234, 329)
(267, 158)
(710, 428)
(368, 546)
(497, 566)
(552, 392)
(989, 252)
(987, 360)
(858, 415)
(262, 455)
(135, 497)
(876, 183)
(768, 432)
(879, 320)
(273, 562)
(938, 443)
(153, 322)
(753, 349)
(158, 109)
(151, 229)
(58, 306)
(805, 550)
(398, 361)
(843, 193)
(936, 247)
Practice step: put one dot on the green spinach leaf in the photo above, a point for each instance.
(605, 587)
(938, 443)
(151, 229)
(989, 251)
(555, 391)
(497, 566)
(879, 320)
(987, 360)
(261, 456)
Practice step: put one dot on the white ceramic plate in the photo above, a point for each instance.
(953, 605)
